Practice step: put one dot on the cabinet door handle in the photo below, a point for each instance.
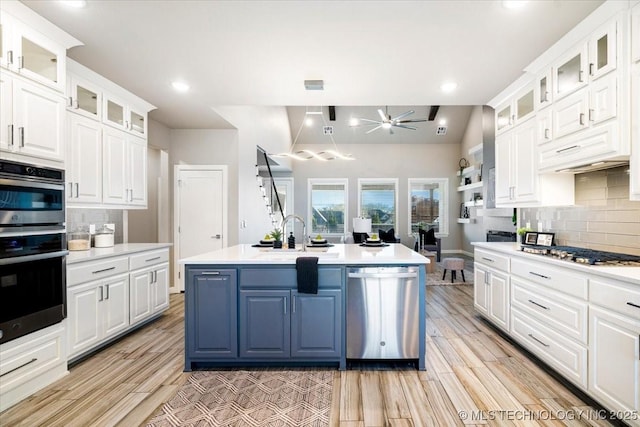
(539, 275)
(633, 305)
(21, 132)
(107, 297)
(103, 270)
(580, 79)
(155, 276)
(488, 259)
(210, 273)
(546, 96)
(20, 62)
(284, 305)
(70, 102)
(591, 111)
(546, 134)
(152, 259)
(293, 304)
(539, 305)
(10, 130)
(101, 294)
(573, 147)
(10, 57)
(21, 366)
(581, 119)
(70, 189)
(151, 277)
(536, 339)
(77, 190)
(591, 68)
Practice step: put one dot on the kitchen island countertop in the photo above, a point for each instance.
(119, 249)
(340, 254)
(629, 274)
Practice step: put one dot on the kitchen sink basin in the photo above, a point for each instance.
(275, 255)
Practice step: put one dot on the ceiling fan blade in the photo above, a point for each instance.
(411, 121)
(370, 121)
(405, 127)
(403, 115)
(375, 128)
(382, 115)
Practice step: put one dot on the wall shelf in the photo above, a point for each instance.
(470, 186)
(467, 171)
(472, 203)
(476, 149)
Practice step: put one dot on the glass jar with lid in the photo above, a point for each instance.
(79, 240)
(104, 237)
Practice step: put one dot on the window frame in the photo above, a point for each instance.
(443, 204)
(380, 181)
(327, 181)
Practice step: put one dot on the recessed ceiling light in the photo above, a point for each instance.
(513, 4)
(448, 87)
(180, 86)
(74, 3)
(354, 121)
(442, 122)
(308, 121)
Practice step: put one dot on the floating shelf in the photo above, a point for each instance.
(467, 171)
(466, 220)
(476, 149)
(473, 203)
(470, 186)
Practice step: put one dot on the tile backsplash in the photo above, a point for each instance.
(83, 217)
(603, 218)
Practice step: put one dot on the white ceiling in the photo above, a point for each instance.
(260, 52)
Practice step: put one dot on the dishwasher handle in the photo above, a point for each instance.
(383, 275)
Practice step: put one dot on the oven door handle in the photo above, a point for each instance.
(37, 257)
(31, 184)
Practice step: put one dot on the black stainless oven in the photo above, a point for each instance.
(32, 282)
(31, 197)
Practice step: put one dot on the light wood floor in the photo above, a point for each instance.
(469, 368)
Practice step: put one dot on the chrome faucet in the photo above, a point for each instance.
(304, 228)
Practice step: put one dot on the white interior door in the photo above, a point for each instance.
(200, 212)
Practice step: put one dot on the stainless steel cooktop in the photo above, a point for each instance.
(583, 255)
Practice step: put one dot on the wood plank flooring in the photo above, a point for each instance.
(469, 368)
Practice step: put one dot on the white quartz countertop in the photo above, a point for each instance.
(630, 274)
(119, 249)
(342, 254)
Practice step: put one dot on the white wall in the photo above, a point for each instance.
(267, 127)
(159, 135)
(402, 161)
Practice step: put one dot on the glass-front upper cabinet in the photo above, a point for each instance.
(114, 112)
(503, 118)
(85, 98)
(137, 123)
(602, 51)
(569, 73)
(524, 107)
(543, 90)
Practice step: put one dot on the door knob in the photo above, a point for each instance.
(217, 236)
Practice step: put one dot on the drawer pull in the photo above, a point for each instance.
(152, 259)
(210, 273)
(536, 339)
(488, 259)
(633, 305)
(573, 147)
(539, 305)
(21, 366)
(539, 275)
(103, 270)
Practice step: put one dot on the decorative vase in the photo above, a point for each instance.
(277, 244)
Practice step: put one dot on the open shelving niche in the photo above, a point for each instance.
(473, 170)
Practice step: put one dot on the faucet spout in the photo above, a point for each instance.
(304, 228)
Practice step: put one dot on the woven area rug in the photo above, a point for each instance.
(269, 397)
(435, 279)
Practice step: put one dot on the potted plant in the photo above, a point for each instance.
(277, 237)
(522, 231)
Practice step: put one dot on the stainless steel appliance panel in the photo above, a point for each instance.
(382, 313)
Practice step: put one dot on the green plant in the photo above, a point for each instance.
(276, 234)
(523, 230)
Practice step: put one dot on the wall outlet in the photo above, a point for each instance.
(92, 229)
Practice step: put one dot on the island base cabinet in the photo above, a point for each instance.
(614, 365)
(316, 324)
(265, 324)
(211, 300)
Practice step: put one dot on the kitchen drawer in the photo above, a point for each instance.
(618, 296)
(563, 313)
(500, 262)
(565, 356)
(88, 271)
(145, 259)
(32, 356)
(286, 278)
(559, 279)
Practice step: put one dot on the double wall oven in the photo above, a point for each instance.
(32, 249)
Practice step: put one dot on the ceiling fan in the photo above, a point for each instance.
(388, 122)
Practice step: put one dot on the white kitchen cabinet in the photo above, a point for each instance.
(491, 287)
(123, 115)
(97, 311)
(543, 90)
(635, 33)
(124, 169)
(516, 110)
(149, 284)
(84, 165)
(32, 120)
(85, 98)
(634, 163)
(544, 126)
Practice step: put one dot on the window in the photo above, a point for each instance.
(378, 200)
(327, 206)
(429, 205)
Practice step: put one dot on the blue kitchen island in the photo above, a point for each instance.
(243, 307)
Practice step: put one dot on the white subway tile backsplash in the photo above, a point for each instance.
(604, 218)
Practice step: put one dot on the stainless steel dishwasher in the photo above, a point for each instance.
(382, 313)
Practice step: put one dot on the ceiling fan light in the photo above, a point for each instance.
(386, 125)
(354, 121)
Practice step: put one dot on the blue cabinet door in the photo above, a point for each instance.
(265, 324)
(211, 323)
(316, 324)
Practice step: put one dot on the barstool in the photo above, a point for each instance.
(453, 264)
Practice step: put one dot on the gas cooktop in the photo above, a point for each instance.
(583, 256)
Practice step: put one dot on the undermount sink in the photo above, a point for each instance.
(275, 254)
